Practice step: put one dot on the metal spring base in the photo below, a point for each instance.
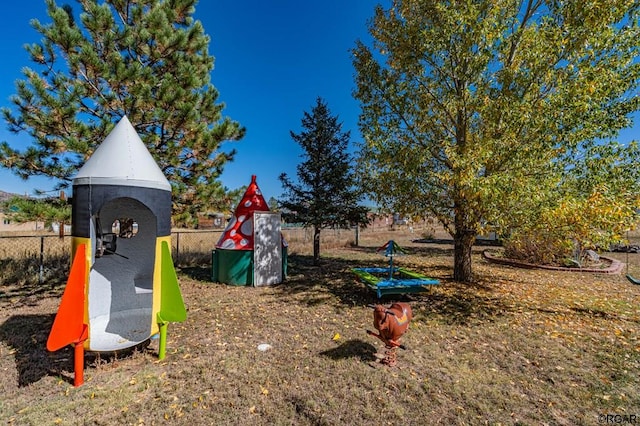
(390, 356)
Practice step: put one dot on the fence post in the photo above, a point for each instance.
(41, 272)
(177, 249)
(357, 234)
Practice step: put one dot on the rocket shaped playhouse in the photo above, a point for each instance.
(251, 250)
(122, 288)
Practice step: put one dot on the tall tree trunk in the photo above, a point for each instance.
(465, 234)
(463, 242)
(316, 246)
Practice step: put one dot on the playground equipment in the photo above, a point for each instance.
(393, 280)
(122, 288)
(391, 322)
(633, 280)
(251, 251)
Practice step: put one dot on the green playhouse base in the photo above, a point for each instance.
(235, 267)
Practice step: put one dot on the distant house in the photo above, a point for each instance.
(211, 221)
(55, 227)
(7, 225)
(379, 220)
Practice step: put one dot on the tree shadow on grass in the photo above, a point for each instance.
(21, 278)
(455, 303)
(312, 283)
(27, 335)
(442, 267)
(364, 351)
(449, 302)
(198, 273)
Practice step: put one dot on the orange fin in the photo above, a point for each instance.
(68, 326)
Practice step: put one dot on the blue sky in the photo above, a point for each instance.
(273, 59)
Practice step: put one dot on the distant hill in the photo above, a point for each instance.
(4, 196)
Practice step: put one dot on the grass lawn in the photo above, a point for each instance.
(516, 347)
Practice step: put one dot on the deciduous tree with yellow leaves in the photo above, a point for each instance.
(500, 112)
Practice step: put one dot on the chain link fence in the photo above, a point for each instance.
(45, 257)
(32, 258)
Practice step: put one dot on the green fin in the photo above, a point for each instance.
(171, 304)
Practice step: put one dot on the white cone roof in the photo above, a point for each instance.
(122, 159)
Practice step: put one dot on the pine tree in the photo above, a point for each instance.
(147, 60)
(326, 194)
(49, 211)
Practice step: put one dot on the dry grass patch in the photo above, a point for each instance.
(517, 346)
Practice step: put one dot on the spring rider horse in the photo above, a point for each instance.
(391, 322)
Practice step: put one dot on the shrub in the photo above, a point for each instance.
(563, 233)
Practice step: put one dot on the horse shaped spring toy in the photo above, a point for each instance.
(392, 323)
